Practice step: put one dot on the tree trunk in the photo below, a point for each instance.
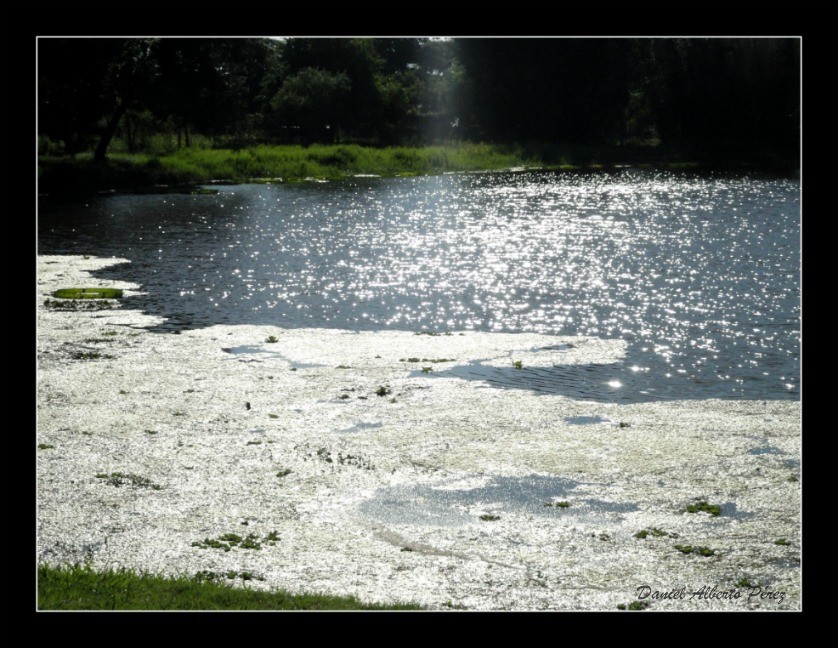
(186, 130)
(129, 134)
(107, 136)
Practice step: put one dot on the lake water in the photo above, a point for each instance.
(699, 275)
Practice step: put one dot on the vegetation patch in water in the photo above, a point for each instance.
(90, 355)
(634, 606)
(123, 479)
(655, 532)
(704, 507)
(701, 551)
(557, 504)
(88, 293)
(230, 540)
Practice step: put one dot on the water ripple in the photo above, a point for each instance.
(700, 275)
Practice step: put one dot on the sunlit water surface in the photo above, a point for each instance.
(700, 275)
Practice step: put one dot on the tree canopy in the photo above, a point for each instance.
(707, 96)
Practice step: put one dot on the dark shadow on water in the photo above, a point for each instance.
(360, 427)
(765, 449)
(602, 383)
(585, 420)
(729, 510)
(446, 505)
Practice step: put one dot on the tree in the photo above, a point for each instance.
(313, 102)
(724, 96)
(559, 90)
(127, 82)
(71, 89)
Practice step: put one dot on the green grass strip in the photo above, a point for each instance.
(79, 587)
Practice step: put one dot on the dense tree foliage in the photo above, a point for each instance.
(708, 97)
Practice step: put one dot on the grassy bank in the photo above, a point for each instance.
(290, 163)
(188, 166)
(81, 588)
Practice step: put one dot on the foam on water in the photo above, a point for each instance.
(414, 469)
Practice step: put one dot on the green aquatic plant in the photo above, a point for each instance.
(45, 446)
(229, 541)
(383, 391)
(284, 472)
(654, 531)
(557, 504)
(517, 364)
(123, 479)
(701, 551)
(488, 517)
(703, 507)
(88, 293)
(271, 339)
(634, 606)
(90, 355)
(325, 455)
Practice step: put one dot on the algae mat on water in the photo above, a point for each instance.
(88, 293)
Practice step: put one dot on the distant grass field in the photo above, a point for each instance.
(290, 163)
(81, 588)
(297, 162)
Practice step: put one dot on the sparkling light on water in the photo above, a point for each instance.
(700, 275)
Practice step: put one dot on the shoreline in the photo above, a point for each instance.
(289, 163)
(438, 498)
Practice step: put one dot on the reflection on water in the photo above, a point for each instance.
(700, 275)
